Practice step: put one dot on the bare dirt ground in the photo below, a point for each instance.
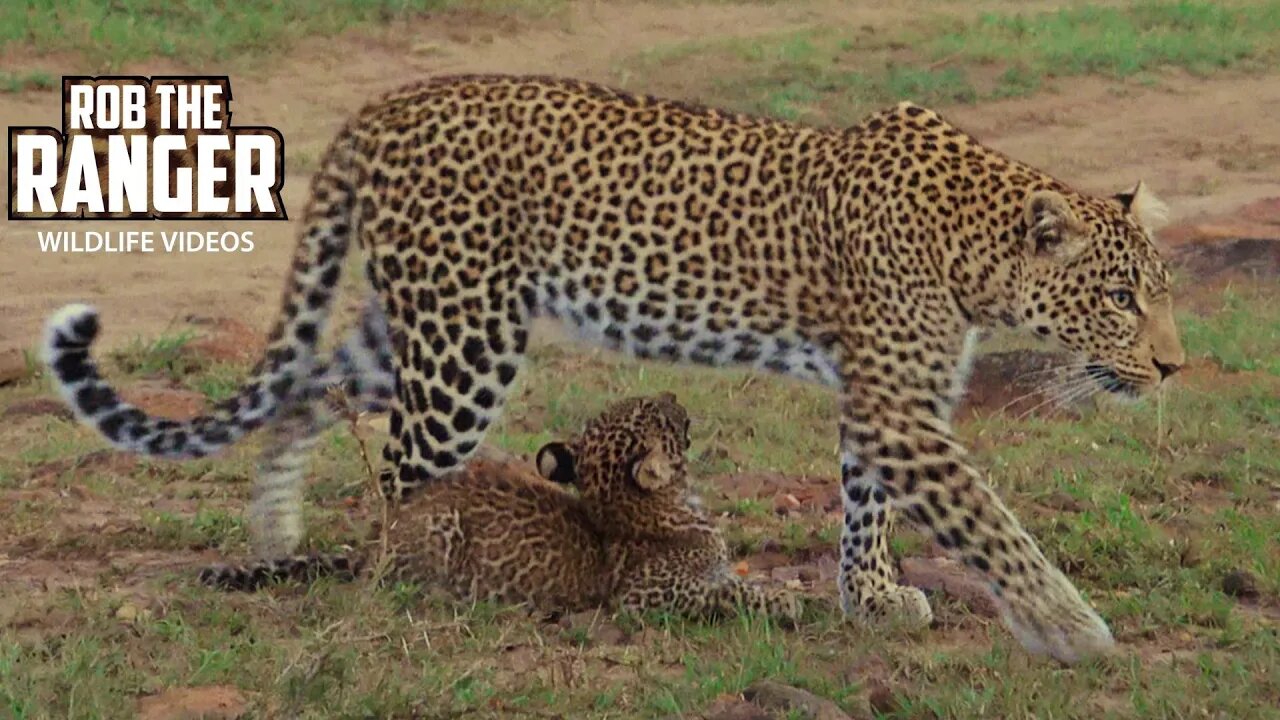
(1089, 132)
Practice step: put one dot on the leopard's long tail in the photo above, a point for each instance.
(327, 229)
(300, 568)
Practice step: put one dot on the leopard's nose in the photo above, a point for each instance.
(1166, 369)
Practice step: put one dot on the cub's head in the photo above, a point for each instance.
(628, 464)
(1094, 281)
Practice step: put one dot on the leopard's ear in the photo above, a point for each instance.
(1143, 204)
(1053, 231)
(555, 462)
(654, 470)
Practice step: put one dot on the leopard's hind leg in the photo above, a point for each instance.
(361, 367)
(460, 344)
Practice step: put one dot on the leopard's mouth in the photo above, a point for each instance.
(1111, 381)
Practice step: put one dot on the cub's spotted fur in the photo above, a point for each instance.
(863, 259)
(632, 539)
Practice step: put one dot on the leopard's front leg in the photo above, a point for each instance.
(868, 579)
(900, 455)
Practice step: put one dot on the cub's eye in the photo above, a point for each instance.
(1124, 300)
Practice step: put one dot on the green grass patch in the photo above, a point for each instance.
(109, 34)
(1119, 41)
(11, 82)
(835, 75)
(1243, 335)
(809, 75)
(166, 355)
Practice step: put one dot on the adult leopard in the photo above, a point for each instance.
(863, 259)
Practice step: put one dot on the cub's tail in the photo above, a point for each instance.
(301, 568)
(283, 372)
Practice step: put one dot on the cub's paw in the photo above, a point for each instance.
(785, 607)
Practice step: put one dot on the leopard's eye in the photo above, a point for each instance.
(1124, 300)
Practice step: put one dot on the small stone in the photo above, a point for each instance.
(1240, 584)
(129, 613)
(736, 709)
(785, 503)
(793, 701)
(595, 626)
(14, 367)
(882, 699)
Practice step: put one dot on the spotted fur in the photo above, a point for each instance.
(862, 259)
(630, 539)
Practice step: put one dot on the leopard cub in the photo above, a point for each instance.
(632, 537)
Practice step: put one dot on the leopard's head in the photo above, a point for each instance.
(628, 465)
(1094, 281)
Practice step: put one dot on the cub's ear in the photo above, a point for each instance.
(1143, 205)
(1053, 231)
(555, 463)
(653, 471)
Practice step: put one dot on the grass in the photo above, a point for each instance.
(834, 75)
(1149, 509)
(11, 82)
(1242, 335)
(811, 75)
(1119, 42)
(210, 32)
(165, 355)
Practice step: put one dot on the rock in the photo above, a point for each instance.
(882, 699)
(211, 702)
(1240, 584)
(793, 701)
(767, 561)
(735, 709)
(785, 503)
(950, 577)
(595, 626)
(798, 574)
(13, 367)
(129, 613)
(1059, 500)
